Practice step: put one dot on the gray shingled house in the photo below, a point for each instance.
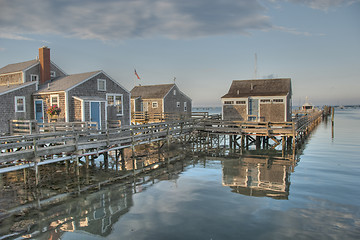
(160, 99)
(263, 100)
(28, 89)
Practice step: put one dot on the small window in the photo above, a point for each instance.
(34, 77)
(101, 84)
(228, 102)
(185, 106)
(54, 100)
(155, 104)
(177, 104)
(240, 102)
(265, 100)
(20, 104)
(278, 100)
(116, 101)
(174, 92)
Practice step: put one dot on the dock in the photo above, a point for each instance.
(34, 150)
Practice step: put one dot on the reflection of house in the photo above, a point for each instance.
(256, 178)
(266, 100)
(28, 89)
(159, 99)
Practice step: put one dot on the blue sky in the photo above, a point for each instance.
(205, 44)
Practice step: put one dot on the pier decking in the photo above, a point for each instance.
(19, 152)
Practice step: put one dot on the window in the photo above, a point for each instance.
(240, 102)
(116, 100)
(154, 104)
(185, 106)
(54, 100)
(177, 104)
(52, 74)
(228, 102)
(174, 92)
(101, 84)
(20, 104)
(278, 100)
(265, 100)
(34, 77)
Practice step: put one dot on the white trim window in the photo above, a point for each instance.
(54, 100)
(115, 100)
(52, 74)
(101, 84)
(155, 105)
(34, 77)
(177, 104)
(174, 91)
(20, 104)
(185, 106)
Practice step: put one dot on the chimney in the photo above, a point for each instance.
(44, 56)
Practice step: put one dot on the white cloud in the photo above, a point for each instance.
(114, 19)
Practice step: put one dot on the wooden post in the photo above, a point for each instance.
(332, 122)
(106, 160)
(283, 141)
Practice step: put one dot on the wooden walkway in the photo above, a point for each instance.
(19, 152)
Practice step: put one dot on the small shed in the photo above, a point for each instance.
(161, 99)
(263, 100)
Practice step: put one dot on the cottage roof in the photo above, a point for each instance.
(151, 91)
(5, 89)
(261, 87)
(16, 67)
(64, 83)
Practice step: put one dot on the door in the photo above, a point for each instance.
(95, 113)
(39, 111)
(253, 109)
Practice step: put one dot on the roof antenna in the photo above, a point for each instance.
(174, 79)
(255, 68)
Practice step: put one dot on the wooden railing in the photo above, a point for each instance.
(22, 127)
(146, 117)
(67, 144)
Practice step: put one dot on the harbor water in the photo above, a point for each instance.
(317, 196)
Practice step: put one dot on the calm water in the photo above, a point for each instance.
(214, 198)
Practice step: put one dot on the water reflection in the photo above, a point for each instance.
(258, 177)
(94, 214)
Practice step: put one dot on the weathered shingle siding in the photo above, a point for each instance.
(58, 72)
(77, 110)
(7, 107)
(90, 88)
(11, 78)
(150, 109)
(235, 112)
(273, 112)
(170, 105)
(34, 70)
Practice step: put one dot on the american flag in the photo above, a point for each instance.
(136, 74)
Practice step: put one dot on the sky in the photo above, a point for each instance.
(203, 44)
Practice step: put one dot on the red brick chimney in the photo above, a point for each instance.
(44, 57)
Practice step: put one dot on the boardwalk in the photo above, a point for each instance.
(19, 152)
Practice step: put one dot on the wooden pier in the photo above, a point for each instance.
(33, 150)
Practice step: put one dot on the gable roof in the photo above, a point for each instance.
(64, 83)
(261, 87)
(17, 67)
(13, 87)
(151, 91)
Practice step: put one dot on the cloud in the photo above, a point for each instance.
(321, 4)
(122, 19)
